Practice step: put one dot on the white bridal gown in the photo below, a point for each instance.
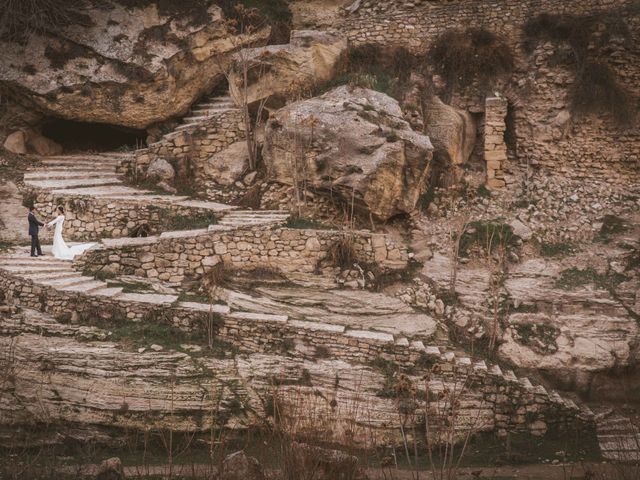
(60, 248)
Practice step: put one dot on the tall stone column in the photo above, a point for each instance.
(495, 148)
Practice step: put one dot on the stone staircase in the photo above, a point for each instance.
(209, 107)
(618, 437)
(94, 177)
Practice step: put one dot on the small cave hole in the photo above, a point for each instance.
(98, 137)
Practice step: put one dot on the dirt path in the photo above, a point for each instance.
(595, 471)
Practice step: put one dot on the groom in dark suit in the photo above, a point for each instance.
(34, 226)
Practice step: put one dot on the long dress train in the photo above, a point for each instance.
(60, 248)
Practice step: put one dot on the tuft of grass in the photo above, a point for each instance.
(556, 249)
(574, 277)
(342, 253)
(306, 224)
(487, 235)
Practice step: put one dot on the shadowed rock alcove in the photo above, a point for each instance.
(100, 137)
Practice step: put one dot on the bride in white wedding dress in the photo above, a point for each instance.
(60, 248)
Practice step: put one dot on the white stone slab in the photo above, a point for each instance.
(261, 317)
(204, 307)
(370, 335)
(153, 298)
(318, 326)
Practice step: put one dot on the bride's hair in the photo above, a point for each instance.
(61, 209)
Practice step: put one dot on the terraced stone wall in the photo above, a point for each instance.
(195, 144)
(491, 402)
(95, 218)
(176, 257)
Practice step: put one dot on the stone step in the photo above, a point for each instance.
(81, 161)
(526, 383)
(210, 111)
(77, 182)
(464, 361)
(194, 120)
(36, 277)
(110, 292)
(510, 376)
(104, 191)
(417, 345)
(64, 282)
(61, 174)
(27, 260)
(215, 206)
(84, 287)
(203, 307)
(432, 350)
(495, 370)
(35, 269)
(152, 298)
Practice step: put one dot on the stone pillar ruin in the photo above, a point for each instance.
(495, 148)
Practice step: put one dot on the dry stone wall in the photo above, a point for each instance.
(174, 257)
(495, 149)
(95, 218)
(195, 144)
(546, 134)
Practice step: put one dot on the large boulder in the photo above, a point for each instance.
(276, 72)
(452, 132)
(16, 142)
(353, 144)
(160, 169)
(239, 466)
(111, 469)
(228, 165)
(132, 64)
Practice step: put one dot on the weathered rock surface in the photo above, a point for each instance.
(16, 143)
(278, 71)
(239, 466)
(160, 169)
(352, 144)
(111, 469)
(451, 131)
(227, 166)
(133, 66)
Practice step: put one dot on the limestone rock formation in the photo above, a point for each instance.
(352, 144)
(134, 65)
(452, 132)
(277, 71)
(160, 169)
(111, 469)
(29, 141)
(16, 143)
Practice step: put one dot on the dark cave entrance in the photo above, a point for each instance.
(98, 137)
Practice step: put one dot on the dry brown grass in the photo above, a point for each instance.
(342, 253)
(464, 56)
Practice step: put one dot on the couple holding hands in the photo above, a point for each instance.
(60, 249)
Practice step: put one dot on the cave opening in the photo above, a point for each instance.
(97, 137)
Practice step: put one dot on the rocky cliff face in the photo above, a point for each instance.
(136, 64)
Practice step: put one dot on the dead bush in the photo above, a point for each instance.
(597, 90)
(342, 253)
(464, 56)
(21, 18)
(216, 276)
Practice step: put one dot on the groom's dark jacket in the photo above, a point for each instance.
(34, 224)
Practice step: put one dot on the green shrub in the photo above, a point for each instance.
(487, 235)
(20, 18)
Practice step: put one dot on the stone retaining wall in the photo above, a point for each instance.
(197, 144)
(176, 257)
(546, 135)
(94, 218)
(495, 149)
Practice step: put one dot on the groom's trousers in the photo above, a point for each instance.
(35, 245)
